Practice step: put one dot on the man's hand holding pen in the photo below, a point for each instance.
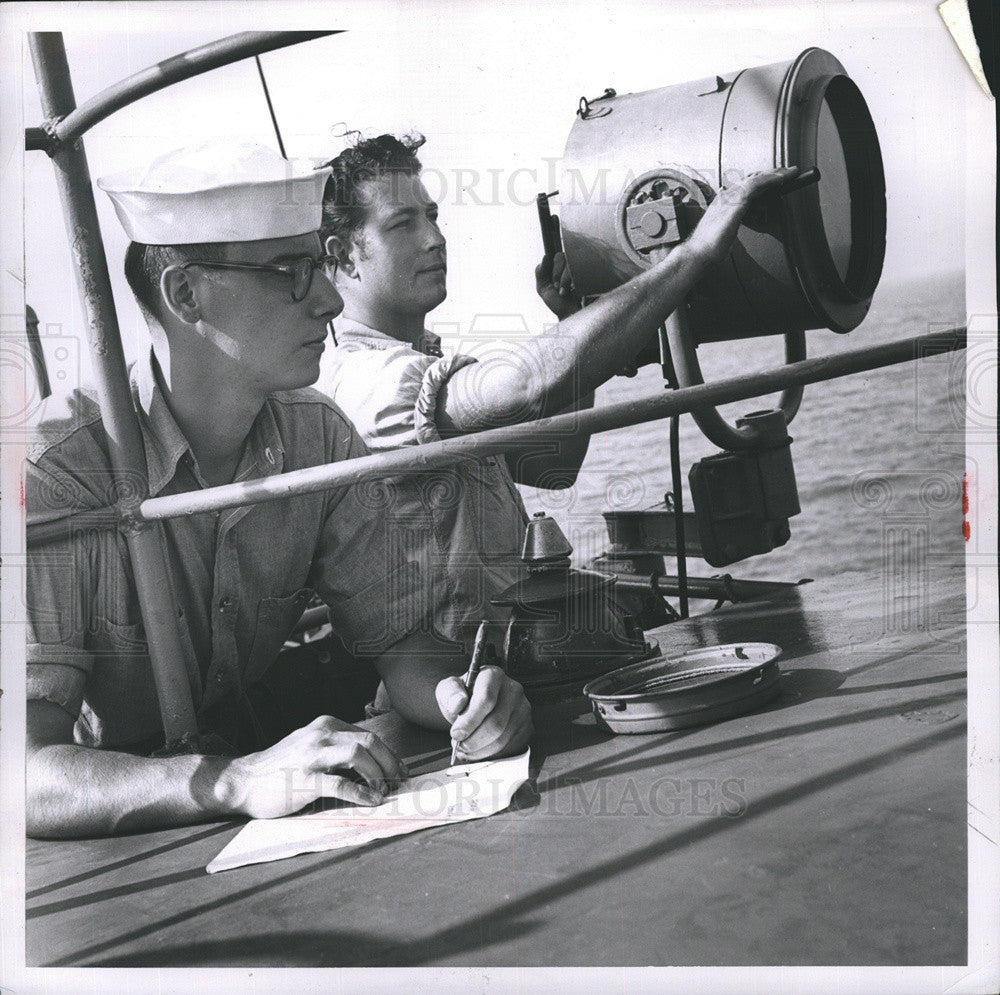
(488, 711)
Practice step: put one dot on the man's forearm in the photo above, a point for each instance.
(80, 791)
(549, 372)
(595, 341)
(556, 464)
(422, 674)
(411, 671)
(587, 347)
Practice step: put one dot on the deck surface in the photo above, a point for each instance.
(829, 828)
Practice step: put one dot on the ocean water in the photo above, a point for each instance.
(879, 456)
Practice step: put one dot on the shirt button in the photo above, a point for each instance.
(225, 605)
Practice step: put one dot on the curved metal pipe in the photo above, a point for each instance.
(180, 67)
(795, 352)
(715, 428)
(675, 475)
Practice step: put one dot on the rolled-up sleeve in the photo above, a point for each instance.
(58, 572)
(425, 407)
(391, 394)
(79, 600)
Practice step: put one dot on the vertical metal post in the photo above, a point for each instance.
(128, 459)
(677, 484)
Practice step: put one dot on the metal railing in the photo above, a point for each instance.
(603, 419)
(498, 440)
(75, 122)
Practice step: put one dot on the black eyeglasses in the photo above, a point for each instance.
(299, 271)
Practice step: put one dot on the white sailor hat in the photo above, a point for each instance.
(220, 191)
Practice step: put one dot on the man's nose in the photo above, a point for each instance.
(434, 237)
(326, 300)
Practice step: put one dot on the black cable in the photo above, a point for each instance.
(675, 471)
(267, 97)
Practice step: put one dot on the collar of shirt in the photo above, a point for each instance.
(347, 330)
(165, 442)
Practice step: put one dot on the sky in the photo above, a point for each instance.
(494, 88)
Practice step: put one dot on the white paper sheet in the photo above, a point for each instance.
(456, 794)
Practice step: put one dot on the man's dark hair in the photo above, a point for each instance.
(144, 266)
(344, 207)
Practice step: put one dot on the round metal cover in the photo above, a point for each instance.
(686, 689)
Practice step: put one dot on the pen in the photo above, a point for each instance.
(469, 679)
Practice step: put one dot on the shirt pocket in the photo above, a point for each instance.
(276, 617)
(118, 639)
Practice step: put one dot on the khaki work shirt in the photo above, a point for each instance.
(472, 510)
(240, 577)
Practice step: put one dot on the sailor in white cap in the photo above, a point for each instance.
(227, 266)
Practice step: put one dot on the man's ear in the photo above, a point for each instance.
(178, 293)
(343, 252)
